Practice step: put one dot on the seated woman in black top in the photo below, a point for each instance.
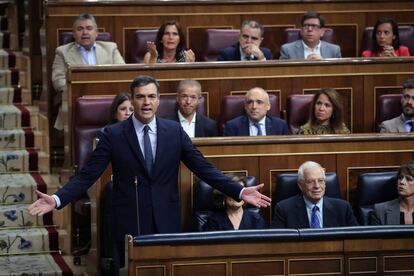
(233, 216)
(401, 209)
(120, 110)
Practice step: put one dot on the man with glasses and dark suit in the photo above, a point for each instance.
(310, 46)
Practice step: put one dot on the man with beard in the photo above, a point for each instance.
(310, 46)
(404, 122)
(193, 123)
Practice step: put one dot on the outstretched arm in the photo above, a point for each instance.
(252, 196)
(43, 205)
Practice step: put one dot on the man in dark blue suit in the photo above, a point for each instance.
(194, 123)
(256, 122)
(145, 153)
(248, 47)
(312, 209)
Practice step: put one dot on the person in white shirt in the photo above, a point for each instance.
(194, 123)
(310, 46)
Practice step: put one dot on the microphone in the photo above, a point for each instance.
(137, 204)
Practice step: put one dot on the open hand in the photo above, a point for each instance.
(252, 196)
(43, 205)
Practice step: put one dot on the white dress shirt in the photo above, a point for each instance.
(189, 127)
(253, 129)
(308, 50)
(309, 207)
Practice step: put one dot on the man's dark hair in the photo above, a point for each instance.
(312, 14)
(252, 24)
(85, 16)
(143, 80)
(408, 84)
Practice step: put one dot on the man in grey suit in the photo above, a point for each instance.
(84, 50)
(310, 46)
(193, 123)
(404, 122)
(311, 208)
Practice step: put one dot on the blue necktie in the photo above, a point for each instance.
(148, 150)
(315, 223)
(259, 130)
(411, 124)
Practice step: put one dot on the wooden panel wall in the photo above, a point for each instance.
(332, 256)
(121, 18)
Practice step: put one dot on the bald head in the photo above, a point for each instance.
(256, 103)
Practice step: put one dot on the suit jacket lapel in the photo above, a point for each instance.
(162, 133)
(299, 49)
(198, 130)
(100, 54)
(73, 55)
(301, 212)
(269, 128)
(130, 134)
(393, 212)
(245, 129)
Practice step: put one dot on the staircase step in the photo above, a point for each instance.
(35, 264)
(26, 240)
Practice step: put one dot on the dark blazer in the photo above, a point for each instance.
(158, 198)
(239, 126)
(291, 213)
(233, 53)
(204, 126)
(386, 213)
(219, 221)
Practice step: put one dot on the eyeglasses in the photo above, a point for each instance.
(246, 37)
(319, 181)
(190, 98)
(311, 26)
(407, 178)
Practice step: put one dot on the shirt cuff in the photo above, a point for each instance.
(57, 200)
(241, 192)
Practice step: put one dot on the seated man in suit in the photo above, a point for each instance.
(312, 209)
(85, 50)
(310, 46)
(248, 47)
(256, 122)
(193, 123)
(404, 122)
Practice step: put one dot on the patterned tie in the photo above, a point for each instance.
(315, 223)
(259, 130)
(148, 150)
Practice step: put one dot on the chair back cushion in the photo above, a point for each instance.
(375, 188)
(293, 34)
(217, 39)
(92, 113)
(388, 107)
(66, 37)
(232, 106)
(406, 33)
(287, 186)
(138, 45)
(297, 111)
(204, 206)
(168, 106)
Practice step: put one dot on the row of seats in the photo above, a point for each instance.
(216, 39)
(92, 113)
(372, 188)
